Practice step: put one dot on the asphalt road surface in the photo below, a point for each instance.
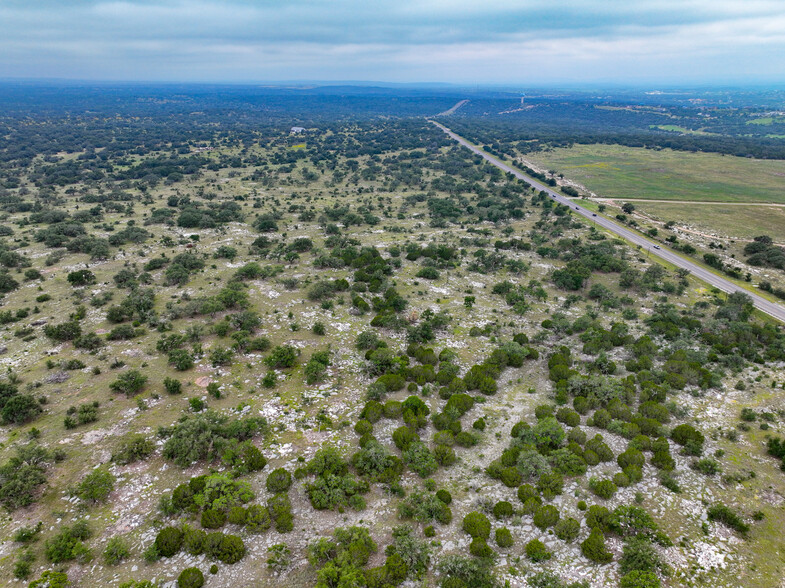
(770, 308)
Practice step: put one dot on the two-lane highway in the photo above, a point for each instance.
(770, 308)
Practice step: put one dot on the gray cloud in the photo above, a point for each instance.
(407, 40)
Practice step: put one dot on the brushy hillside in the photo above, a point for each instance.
(359, 356)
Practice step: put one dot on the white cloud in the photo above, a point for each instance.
(439, 40)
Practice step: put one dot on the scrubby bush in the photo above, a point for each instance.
(129, 383)
(536, 551)
(116, 551)
(502, 509)
(257, 518)
(190, 578)
(168, 541)
(593, 548)
(603, 488)
(567, 529)
(639, 554)
(228, 549)
(194, 540)
(546, 516)
(20, 409)
(477, 525)
(280, 509)
(479, 548)
(639, 579)
(279, 480)
(413, 552)
(689, 437)
(532, 464)
(420, 459)
(725, 515)
(424, 508)
(96, 486)
(503, 537)
(550, 485)
(67, 544)
(134, 447)
(213, 519)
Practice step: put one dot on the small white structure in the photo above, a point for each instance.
(297, 130)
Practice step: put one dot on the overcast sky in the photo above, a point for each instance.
(462, 41)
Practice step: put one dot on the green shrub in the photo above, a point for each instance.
(280, 509)
(639, 554)
(20, 409)
(194, 540)
(502, 509)
(279, 480)
(413, 552)
(503, 537)
(639, 579)
(228, 549)
(281, 357)
(593, 548)
(28, 534)
(546, 516)
(536, 551)
(445, 456)
(527, 491)
(280, 558)
(689, 437)
(567, 529)
(603, 488)
(403, 437)
(168, 541)
(67, 544)
(190, 578)
(597, 517)
(134, 447)
(23, 566)
(420, 459)
(532, 464)
(129, 383)
(116, 551)
(237, 515)
(424, 508)
(550, 485)
(479, 548)
(511, 477)
(96, 486)
(257, 519)
(444, 496)
(173, 386)
(477, 525)
(363, 427)
(723, 514)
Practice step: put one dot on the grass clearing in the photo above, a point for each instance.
(739, 222)
(631, 173)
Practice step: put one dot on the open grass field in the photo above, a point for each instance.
(737, 222)
(630, 173)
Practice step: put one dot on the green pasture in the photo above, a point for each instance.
(615, 171)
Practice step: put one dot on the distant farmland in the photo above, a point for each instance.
(628, 173)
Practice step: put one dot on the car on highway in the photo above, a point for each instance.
(656, 246)
(594, 214)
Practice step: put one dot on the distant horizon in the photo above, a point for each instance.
(662, 85)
